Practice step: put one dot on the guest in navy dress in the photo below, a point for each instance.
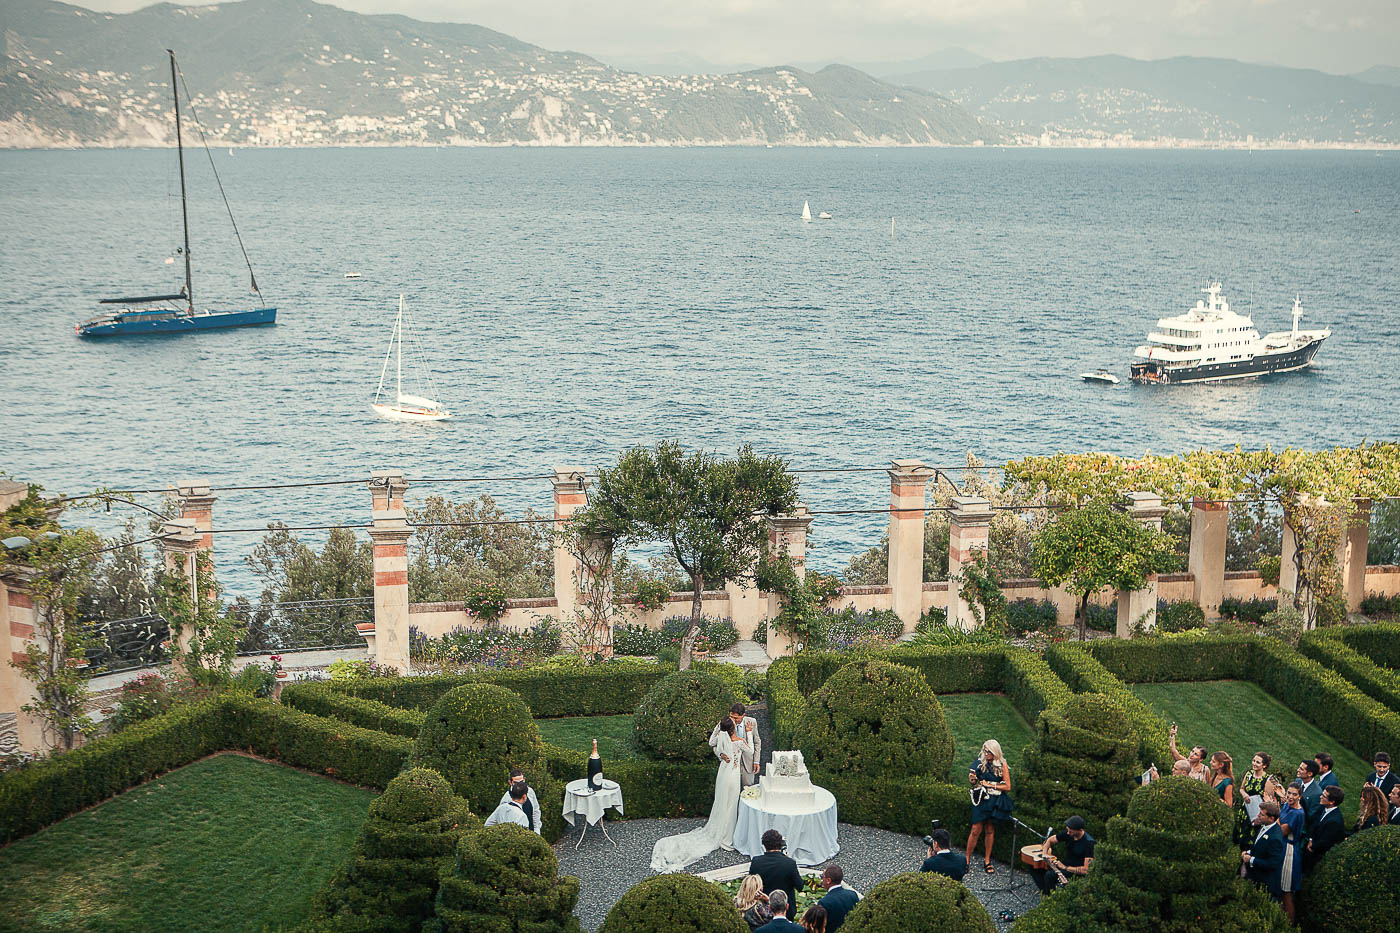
(990, 777)
(1292, 818)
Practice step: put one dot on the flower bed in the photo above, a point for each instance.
(642, 641)
(485, 648)
(807, 895)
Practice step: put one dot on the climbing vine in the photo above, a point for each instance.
(980, 586)
(202, 639)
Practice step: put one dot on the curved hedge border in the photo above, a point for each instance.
(323, 700)
(1083, 672)
(50, 790)
(1379, 642)
(1329, 647)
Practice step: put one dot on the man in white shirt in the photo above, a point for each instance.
(531, 806)
(513, 810)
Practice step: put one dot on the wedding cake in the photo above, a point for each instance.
(787, 782)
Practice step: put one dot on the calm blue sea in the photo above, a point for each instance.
(574, 302)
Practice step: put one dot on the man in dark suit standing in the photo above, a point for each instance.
(1327, 831)
(942, 859)
(780, 923)
(839, 899)
(778, 871)
(1395, 805)
(1383, 777)
(1264, 858)
(1325, 777)
(1312, 791)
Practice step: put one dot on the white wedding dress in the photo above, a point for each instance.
(676, 852)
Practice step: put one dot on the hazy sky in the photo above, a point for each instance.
(1341, 36)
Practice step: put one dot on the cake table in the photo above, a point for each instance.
(810, 829)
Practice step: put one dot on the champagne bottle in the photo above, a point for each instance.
(595, 768)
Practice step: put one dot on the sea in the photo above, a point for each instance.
(570, 303)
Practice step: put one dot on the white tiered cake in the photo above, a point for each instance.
(787, 783)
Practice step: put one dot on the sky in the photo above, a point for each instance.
(1340, 36)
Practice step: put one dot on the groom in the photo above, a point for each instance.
(744, 727)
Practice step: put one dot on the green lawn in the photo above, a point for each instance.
(614, 735)
(227, 843)
(1242, 719)
(976, 717)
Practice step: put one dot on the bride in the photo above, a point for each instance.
(675, 852)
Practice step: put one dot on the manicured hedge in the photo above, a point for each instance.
(1085, 674)
(786, 703)
(907, 903)
(1329, 648)
(653, 789)
(1380, 642)
(52, 789)
(1354, 887)
(323, 700)
(674, 719)
(1189, 656)
(473, 736)
(679, 902)
(616, 686)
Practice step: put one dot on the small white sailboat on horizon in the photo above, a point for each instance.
(806, 213)
(406, 407)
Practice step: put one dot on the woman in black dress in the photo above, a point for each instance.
(990, 777)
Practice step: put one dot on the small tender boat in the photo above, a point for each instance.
(352, 275)
(406, 407)
(1100, 375)
(824, 215)
(806, 212)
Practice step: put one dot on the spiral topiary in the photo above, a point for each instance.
(1084, 762)
(1354, 886)
(473, 736)
(1168, 866)
(674, 719)
(677, 904)
(916, 902)
(506, 880)
(874, 719)
(389, 883)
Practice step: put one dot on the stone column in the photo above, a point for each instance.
(386, 490)
(908, 494)
(180, 545)
(16, 690)
(570, 495)
(1287, 565)
(197, 505)
(596, 603)
(787, 534)
(390, 532)
(969, 529)
(1210, 523)
(1145, 508)
(1356, 541)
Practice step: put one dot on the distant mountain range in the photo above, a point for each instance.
(295, 72)
(1110, 97)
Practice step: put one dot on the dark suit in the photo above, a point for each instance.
(780, 925)
(952, 864)
(1384, 783)
(1328, 831)
(1312, 802)
(1328, 780)
(779, 873)
(837, 902)
(1395, 815)
(1266, 859)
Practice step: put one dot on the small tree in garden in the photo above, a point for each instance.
(58, 564)
(1084, 761)
(703, 507)
(1090, 549)
(505, 879)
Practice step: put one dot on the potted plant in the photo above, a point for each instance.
(701, 649)
(486, 601)
(277, 671)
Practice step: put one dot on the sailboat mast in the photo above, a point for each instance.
(398, 330)
(184, 202)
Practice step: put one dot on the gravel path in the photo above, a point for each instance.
(868, 856)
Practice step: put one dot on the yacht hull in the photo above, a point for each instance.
(1157, 373)
(142, 323)
(394, 413)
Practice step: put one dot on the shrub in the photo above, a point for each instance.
(254, 680)
(1331, 650)
(719, 633)
(933, 631)
(323, 700)
(908, 903)
(1270, 566)
(842, 629)
(677, 903)
(1084, 762)
(1251, 611)
(140, 699)
(755, 683)
(1378, 606)
(391, 878)
(1102, 618)
(1084, 674)
(650, 594)
(875, 719)
(638, 640)
(1181, 616)
(487, 647)
(506, 880)
(486, 601)
(1029, 615)
(1353, 887)
(674, 719)
(346, 669)
(473, 736)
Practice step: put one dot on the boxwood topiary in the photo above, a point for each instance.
(875, 719)
(473, 736)
(391, 878)
(1084, 762)
(674, 719)
(675, 903)
(506, 880)
(1354, 886)
(919, 901)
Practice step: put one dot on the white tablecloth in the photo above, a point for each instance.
(810, 832)
(591, 806)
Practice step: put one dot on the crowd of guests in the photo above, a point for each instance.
(767, 898)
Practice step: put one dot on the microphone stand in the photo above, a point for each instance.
(1016, 852)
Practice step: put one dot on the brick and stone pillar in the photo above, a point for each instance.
(1356, 541)
(390, 532)
(969, 531)
(787, 534)
(905, 576)
(386, 490)
(1145, 508)
(180, 545)
(197, 505)
(595, 595)
(570, 495)
(1210, 523)
(24, 730)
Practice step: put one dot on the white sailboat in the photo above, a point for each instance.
(405, 407)
(806, 212)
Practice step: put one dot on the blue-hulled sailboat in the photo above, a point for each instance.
(176, 314)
